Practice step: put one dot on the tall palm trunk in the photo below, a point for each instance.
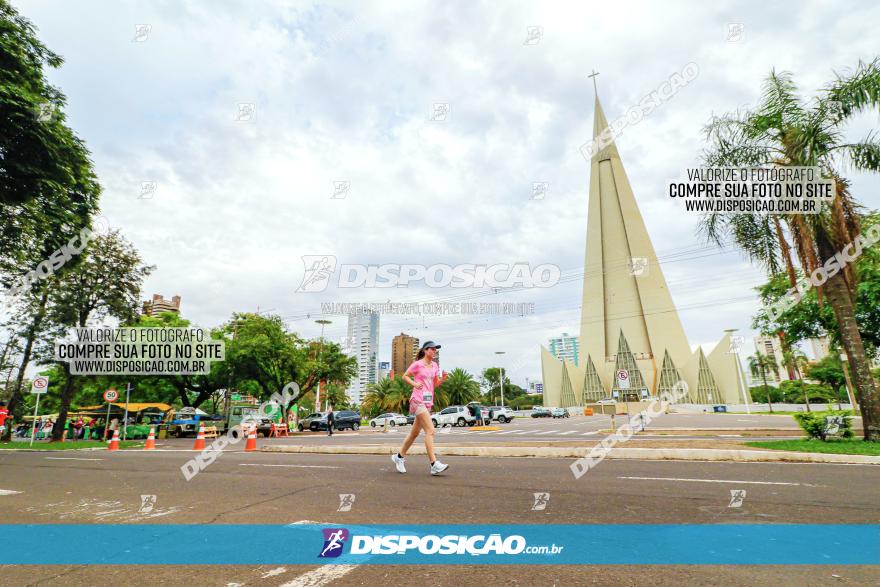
(838, 295)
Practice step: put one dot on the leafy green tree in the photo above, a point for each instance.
(107, 283)
(460, 388)
(491, 385)
(46, 177)
(761, 363)
(786, 131)
(388, 395)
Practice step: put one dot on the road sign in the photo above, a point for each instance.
(111, 395)
(40, 384)
(623, 379)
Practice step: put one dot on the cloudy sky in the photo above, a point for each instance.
(344, 92)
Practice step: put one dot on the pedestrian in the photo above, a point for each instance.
(78, 429)
(422, 375)
(330, 419)
(4, 413)
(477, 413)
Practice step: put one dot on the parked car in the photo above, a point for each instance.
(393, 420)
(608, 401)
(559, 413)
(341, 420)
(540, 413)
(501, 413)
(453, 416)
(314, 422)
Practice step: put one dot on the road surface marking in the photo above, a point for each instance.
(321, 576)
(273, 572)
(294, 466)
(523, 432)
(589, 433)
(71, 459)
(721, 481)
(569, 432)
(547, 432)
(8, 492)
(508, 432)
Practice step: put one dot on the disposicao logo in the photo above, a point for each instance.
(334, 541)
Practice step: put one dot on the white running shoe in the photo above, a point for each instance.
(438, 468)
(398, 462)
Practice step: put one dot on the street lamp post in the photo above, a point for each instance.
(501, 377)
(323, 322)
(740, 375)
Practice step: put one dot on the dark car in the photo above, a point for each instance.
(346, 419)
(559, 412)
(541, 413)
(341, 420)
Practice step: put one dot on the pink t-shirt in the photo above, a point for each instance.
(423, 374)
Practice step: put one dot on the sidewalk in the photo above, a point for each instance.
(631, 450)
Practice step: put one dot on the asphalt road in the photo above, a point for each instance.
(103, 487)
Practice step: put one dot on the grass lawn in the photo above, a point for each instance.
(43, 445)
(836, 446)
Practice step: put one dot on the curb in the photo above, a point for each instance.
(651, 454)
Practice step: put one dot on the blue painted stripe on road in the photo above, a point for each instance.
(611, 544)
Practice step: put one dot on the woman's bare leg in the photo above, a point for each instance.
(428, 426)
(413, 434)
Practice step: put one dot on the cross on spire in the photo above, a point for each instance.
(593, 75)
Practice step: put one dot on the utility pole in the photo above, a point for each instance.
(501, 377)
(323, 322)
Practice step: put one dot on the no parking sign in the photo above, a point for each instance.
(40, 384)
(622, 379)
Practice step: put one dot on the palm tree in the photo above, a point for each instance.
(761, 362)
(794, 360)
(783, 131)
(460, 388)
(389, 395)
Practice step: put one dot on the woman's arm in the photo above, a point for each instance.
(412, 383)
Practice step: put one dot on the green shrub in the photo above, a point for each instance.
(815, 423)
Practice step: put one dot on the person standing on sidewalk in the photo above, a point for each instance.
(330, 419)
(423, 376)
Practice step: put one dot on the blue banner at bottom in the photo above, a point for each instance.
(428, 544)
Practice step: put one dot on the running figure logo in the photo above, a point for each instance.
(541, 501)
(737, 496)
(334, 540)
(147, 504)
(346, 500)
(319, 268)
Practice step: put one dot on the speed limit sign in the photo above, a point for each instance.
(40, 384)
(111, 395)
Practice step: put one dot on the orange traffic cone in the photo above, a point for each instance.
(200, 438)
(151, 439)
(114, 442)
(251, 444)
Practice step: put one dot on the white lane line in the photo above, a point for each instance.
(721, 481)
(8, 492)
(273, 572)
(71, 459)
(523, 432)
(293, 466)
(508, 432)
(321, 576)
(569, 432)
(590, 433)
(545, 433)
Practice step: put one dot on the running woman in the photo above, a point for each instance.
(423, 376)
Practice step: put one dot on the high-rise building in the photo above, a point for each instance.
(629, 322)
(159, 304)
(565, 347)
(384, 370)
(770, 346)
(821, 347)
(363, 335)
(404, 349)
